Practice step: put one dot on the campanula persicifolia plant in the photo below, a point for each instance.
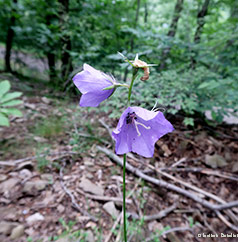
(138, 129)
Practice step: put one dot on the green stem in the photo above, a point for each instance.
(124, 196)
(135, 70)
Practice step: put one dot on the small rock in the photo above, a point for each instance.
(90, 236)
(26, 165)
(88, 161)
(47, 177)
(91, 224)
(45, 100)
(17, 232)
(40, 139)
(215, 161)
(81, 219)
(110, 208)
(235, 167)
(154, 226)
(6, 227)
(88, 186)
(201, 136)
(25, 173)
(8, 213)
(2, 177)
(167, 151)
(60, 208)
(35, 218)
(89, 175)
(39, 185)
(8, 185)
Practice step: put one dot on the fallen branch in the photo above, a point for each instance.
(176, 229)
(16, 162)
(106, 198)
(164, 184)
(199, 190)
(226, 222)
(107, 128)
(200, 170)
(159, 215)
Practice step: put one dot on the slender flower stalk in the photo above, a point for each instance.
(134, 75)
(124, 197)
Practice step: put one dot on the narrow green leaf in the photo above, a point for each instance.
(10, 96)
(11, 111)
(4, 87)
(11, 103)
(3, 120)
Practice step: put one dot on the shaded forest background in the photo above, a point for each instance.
(194, 43)
(59, 177)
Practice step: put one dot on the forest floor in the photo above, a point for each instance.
(59, 180)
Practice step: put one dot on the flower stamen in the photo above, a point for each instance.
(138, 123)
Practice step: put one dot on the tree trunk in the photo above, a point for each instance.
(135, 24)
(66, 60)
(132, 40)
(50, 53)
(9, 39)
(51, 64)
(172, 31)
(146, 13)
(200, 21)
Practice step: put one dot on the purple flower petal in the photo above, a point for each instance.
(138, 130)
(93, 99)
(91, 83)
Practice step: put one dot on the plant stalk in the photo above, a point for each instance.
(124, 196)
(135, 70)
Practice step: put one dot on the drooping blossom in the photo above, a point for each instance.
(138, 130)
(93, 85)
(141, 64)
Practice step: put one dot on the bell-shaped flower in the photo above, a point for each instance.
(94, 85)
(138, 130)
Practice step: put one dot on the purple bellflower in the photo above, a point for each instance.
(138, 130)
(94, 85)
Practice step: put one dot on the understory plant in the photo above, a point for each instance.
(7, 102)
(138, 129)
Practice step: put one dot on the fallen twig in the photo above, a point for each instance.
(105, 198)
(74, 203)
(177, 229)
(225, 221)
(161, 183)
(199, 190)
(16, 162)
(200, 170)
(159, 215)
(107, 128)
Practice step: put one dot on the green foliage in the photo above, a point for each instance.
(42, 161)
(7, 101)
(49, 127)
(193, 91)
(69, 233)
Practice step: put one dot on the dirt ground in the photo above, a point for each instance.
(56, 184)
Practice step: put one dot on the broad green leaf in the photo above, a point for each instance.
(11, 111)
(4, 120)
(203, 85)
(11, 103)
(10, 96)
(4, 87)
